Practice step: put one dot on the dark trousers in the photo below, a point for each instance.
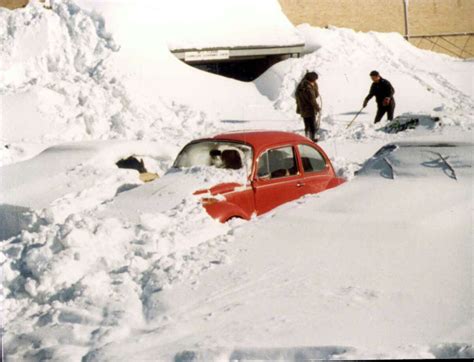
(381, 110)
(311, 126)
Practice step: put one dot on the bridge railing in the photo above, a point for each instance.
(444, 41)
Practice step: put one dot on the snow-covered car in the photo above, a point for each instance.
(416, 159)
(270, 168)
(233, 175)
(71, 177)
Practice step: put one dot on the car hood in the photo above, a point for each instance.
(163, 194)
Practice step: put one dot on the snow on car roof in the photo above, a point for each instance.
(260, 138)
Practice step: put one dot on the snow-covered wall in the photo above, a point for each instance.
(189, 24)
(231, 23)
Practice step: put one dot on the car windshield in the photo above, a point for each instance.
(217, 154)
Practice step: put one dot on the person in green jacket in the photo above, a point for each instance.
(306, 105)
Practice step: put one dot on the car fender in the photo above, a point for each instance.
(335, 181)
(223, 211)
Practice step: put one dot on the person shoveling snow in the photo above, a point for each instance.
(383, 91)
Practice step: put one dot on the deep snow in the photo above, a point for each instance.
(82, 279)
(392, 282)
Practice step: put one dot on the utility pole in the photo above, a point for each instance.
(405, 11)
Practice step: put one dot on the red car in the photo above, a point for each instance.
(275, 168)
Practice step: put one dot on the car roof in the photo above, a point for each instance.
(261, 139)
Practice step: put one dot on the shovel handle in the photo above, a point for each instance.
(357, 115)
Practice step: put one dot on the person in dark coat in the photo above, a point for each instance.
(306, 105)
(383, 92)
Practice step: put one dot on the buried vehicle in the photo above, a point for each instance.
(414, 159)
(270, 168)
(72, 177)
(234, 175)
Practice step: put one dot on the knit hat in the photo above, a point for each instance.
(311, 76)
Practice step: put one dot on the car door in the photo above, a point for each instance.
(317, 173)
(278, 178)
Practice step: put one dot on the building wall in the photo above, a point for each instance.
(13, 4)
(425, 17)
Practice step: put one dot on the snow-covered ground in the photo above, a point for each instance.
(375, 270)
(379, 267)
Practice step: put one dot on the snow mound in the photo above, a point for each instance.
(167, 192)
(80, 83)
(57, 84)
(85, 281)
(70, 178)
(37, 43)
(425, 82)
(240, 23)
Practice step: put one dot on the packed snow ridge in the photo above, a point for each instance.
(81, 280)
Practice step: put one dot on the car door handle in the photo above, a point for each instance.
(300, 184)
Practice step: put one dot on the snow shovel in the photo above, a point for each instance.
(357, 115)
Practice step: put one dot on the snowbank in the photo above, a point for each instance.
(187, 24)
(377, 268)
(87, 277)
(60, 88)
(72, 167)
(80, 82)
(234, 23)
(52, 65)
(425, 82)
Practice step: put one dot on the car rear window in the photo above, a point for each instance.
(312, 160)
(218, 154)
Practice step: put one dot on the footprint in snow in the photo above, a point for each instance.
(353, 295)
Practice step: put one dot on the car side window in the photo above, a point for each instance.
(263, 171)
(312, 160)
(278, 162)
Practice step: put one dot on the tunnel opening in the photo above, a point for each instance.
(245, 70)
(244, 64)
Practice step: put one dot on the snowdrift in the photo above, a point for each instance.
(64, 87)
(378, 267)
(234, 23)
(425, 82)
